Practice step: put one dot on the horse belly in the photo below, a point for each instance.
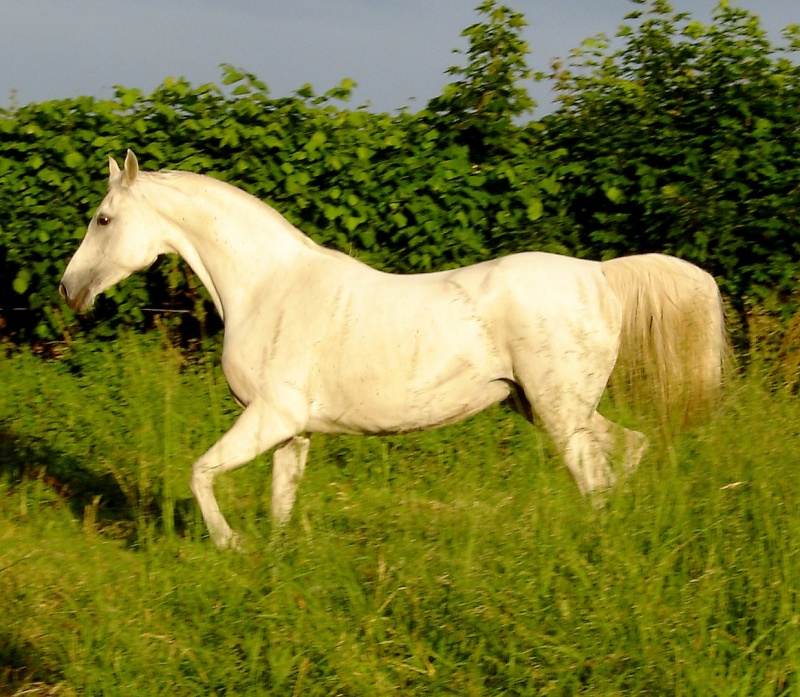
(396, 398)
(376, 407)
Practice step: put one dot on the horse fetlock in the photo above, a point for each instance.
(227, 539)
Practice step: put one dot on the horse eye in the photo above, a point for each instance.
(103, 220)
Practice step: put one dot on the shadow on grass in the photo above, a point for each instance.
(96, 498)
(32, 458)
(24, 669)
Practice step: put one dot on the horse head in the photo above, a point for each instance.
(120, 240)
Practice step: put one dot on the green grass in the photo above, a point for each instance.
(461, 561)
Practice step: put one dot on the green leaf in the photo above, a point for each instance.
(332, 212)
(399, 219)
(316, 140)
(535, 209)
(74, 160)
(366, 235)
(21, 281)
(128, 97)
(694, 29)
(614, 194)
(550, 185)
(231, 75)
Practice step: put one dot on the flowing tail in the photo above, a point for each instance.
(674, 350)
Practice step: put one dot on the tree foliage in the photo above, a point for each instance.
(490, 89)
(683, 140)
(686, 140)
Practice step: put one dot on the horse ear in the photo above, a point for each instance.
(131, 168)
(113, 170)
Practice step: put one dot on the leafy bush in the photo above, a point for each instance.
(684, 141)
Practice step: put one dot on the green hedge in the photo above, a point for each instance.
(686, 140)
(393, 190)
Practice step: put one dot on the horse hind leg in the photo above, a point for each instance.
(593, 448)
(563, 366)
(585, 450)
(635, 444)
(575, 447)
(622, 446)
(599, 450)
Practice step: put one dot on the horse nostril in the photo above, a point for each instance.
(62, 291)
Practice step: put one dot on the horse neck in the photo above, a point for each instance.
(231, 240)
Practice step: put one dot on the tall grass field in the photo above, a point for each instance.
(461, 561)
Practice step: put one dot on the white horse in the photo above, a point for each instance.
(316, 341)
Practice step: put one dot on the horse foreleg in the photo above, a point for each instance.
(289, 463)
(256, 430)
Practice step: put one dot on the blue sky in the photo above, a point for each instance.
(396, 50)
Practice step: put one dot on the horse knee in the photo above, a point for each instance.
(201, 479)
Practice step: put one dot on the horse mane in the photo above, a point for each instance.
(181, 180)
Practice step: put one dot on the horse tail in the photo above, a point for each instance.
(674, 349)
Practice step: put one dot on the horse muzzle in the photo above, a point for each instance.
(79, 302)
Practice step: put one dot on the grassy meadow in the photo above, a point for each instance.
(456, 562)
